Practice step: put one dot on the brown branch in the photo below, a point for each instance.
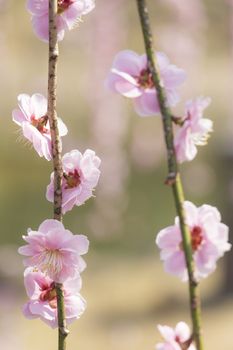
(56, 153)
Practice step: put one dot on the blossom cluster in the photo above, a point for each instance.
(131, 77)
(69, 15)
(53, 254)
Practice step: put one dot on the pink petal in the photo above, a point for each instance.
(40, 27)
(38, 105)
(27, 312)
(127, 89)
(62, 128)
(41, 144)
(170, 237)
(18, 116)
(80, 243)
(71, 160)
(74, 306)
(182, 331)
(173, 77)
(147, 104)
(72, 14)
(50, 224)
(175, 265)
(38, 7)
(129, 62)
(166, 332)
(25, 105)
(191, 212)
(73, 286)
(69, 204)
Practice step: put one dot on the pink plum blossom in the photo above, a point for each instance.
(175, 339)
(81, 175)
(194, 131)
(33, 119)
(68, 15)
(43, 299)
(130, 76)
(209, 239)
(55, 251)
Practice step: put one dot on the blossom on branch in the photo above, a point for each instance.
(175, 339)
(68, 15)
(194, 131)
(33, 119)
(80, 177)
(55, 251)
(209, 240)
(43, 298)
(130, 76)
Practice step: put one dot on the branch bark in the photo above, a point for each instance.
(56, 153)
(173, 178)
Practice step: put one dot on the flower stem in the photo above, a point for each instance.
(173, 178)
(56, 152)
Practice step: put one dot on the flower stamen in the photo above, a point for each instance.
(63, 5)
(40, 124)
(72, 179)
(145, 79)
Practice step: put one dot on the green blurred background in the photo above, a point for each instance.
(127, 292)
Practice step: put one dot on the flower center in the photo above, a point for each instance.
(50, 261)
(40, 123)
(145, 79)
(48, 293)
(62, 5)
(196, 237)
(72, 179)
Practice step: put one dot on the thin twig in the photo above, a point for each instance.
(56, 153)
(173, 174)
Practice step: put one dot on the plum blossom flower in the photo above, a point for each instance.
(55, 251)
(68, 15)
(131, 77)
(81, 175)
(175, 339)
(33, 119)
(43, 299)
(209, 239)
(194, 131)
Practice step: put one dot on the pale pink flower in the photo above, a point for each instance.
(175, 339)
(209, 239)
(43, 299)
(55, 251)
(33, 119)
(130, 76)
(194, 131)
(69, 14)
(80, 176)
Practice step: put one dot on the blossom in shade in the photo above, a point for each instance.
(32, 117)
(80, 176)
(194, 130)
(131, 77)
(175, 339)
(209, 239)
(43, 299)
(55, 251)
(68, 15)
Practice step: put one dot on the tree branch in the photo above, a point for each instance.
(173, 178)
(56, 153)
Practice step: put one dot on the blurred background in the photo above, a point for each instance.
(127, 292)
